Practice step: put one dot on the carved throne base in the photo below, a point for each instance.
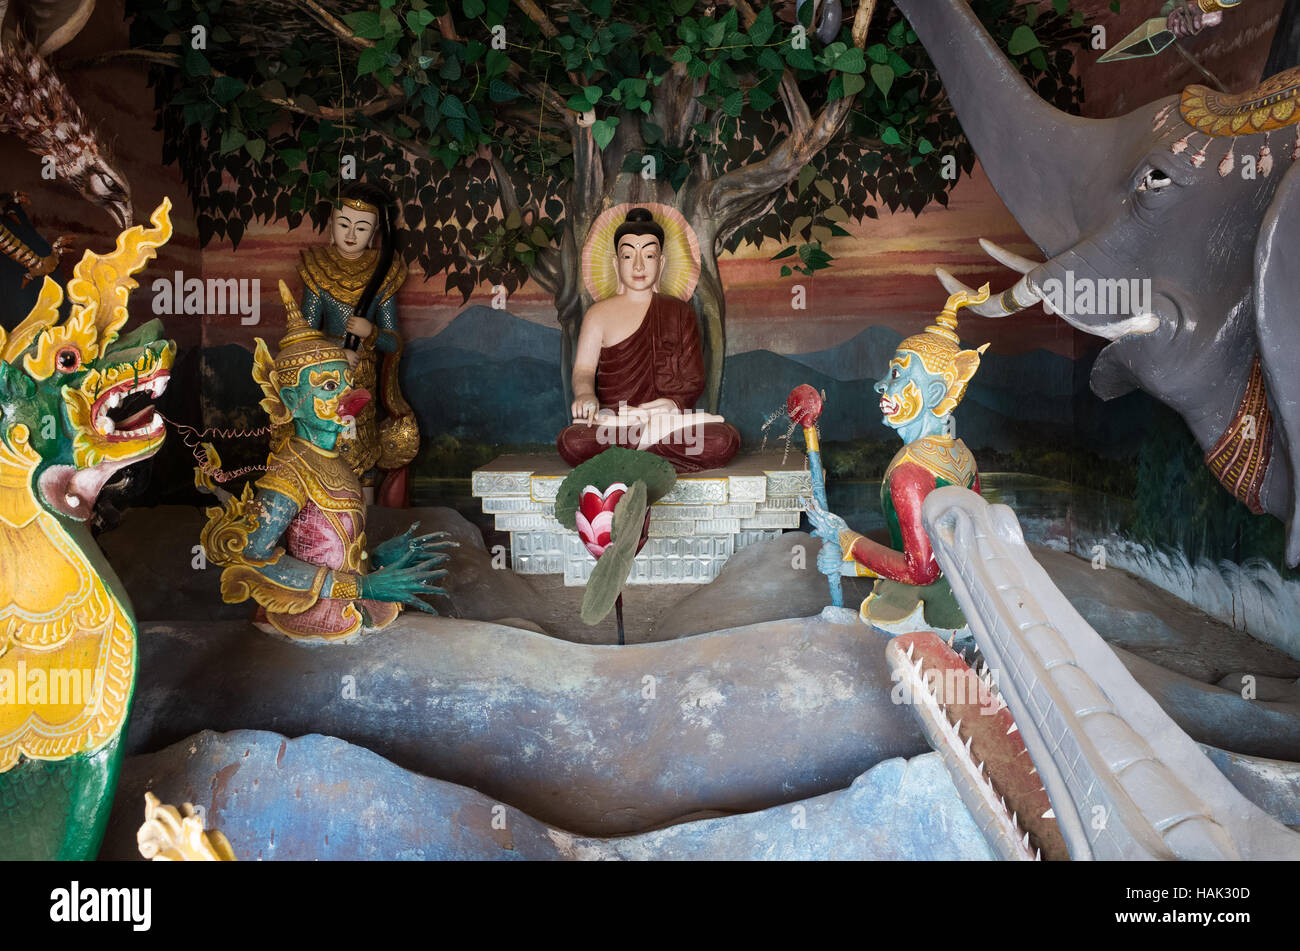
(694, 529)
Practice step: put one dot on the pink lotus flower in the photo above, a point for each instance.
(595, 516)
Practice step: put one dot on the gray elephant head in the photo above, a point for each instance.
(1171, 231)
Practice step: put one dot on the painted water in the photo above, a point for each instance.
(1251, 597)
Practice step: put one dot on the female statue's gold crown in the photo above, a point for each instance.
(359, 205)
(940, 352)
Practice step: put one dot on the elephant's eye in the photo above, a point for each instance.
(894, 375)
(1153, 180)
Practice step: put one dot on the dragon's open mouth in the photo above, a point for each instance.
(126, 411)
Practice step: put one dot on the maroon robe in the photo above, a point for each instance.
(662, 358)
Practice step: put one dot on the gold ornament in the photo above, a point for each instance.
(359, 205)
(177, 835)
(1273, 104)
(940, 350)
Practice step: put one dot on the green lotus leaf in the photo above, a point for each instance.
(615, 464)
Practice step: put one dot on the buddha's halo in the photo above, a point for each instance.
(681, 252)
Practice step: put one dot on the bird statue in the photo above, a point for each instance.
(37, 108)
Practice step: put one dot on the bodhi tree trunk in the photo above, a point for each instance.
(716, 204)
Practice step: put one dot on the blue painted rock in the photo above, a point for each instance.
(598, 740)
(318, 797)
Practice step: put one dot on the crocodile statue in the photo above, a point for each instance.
(1117, 777)
(75, 407)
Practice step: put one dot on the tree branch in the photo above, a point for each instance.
(747, 14)
(536, 14)
(732, 196)
(332, 23)
(546, 265)
(333, 113)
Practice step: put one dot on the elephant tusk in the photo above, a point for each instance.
(1009, 258)
(1013, 300)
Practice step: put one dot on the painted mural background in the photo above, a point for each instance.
(484, 380)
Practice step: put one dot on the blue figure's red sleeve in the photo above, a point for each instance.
(909, 484)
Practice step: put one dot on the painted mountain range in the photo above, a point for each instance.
(492, 377)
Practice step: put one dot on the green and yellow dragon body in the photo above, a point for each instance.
(75, 407)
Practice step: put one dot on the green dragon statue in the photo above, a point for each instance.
(75, 407)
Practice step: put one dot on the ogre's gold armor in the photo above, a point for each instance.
(297, 546)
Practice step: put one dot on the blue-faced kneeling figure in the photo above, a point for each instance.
(298, 546)
(919, 392)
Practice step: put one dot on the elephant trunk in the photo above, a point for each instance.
(1036, 156)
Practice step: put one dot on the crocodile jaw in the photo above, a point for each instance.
(1123, 779)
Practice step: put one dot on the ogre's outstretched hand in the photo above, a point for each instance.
(406, 549)
(403, 585)
(827, 525)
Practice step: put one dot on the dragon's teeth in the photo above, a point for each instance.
(1012, 729)
(71, 500)
(1049, 814)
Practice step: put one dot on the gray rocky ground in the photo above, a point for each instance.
(762, 711)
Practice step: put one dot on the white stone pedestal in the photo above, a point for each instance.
(694, 529)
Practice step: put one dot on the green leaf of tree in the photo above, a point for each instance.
(226, 88)
(1022, 41)
(602, 131)
(499, 91)
(760, 31)
(365, 24)
(473, 8)
(851, 61)
(256, 148)
(232, 139)
(369, 61)
(890, 136)
(196, 64)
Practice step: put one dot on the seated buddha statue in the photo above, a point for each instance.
(639, 366)
(925, 380)
(297, 546)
